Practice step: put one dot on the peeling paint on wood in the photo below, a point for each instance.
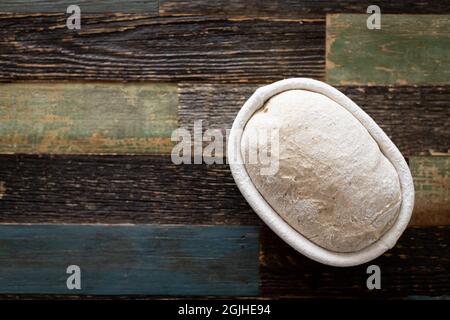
(432, 189)
(86, 6)
(128, 260)
(80, 118)
(408, 49)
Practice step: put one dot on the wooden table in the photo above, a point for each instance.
(86, 118)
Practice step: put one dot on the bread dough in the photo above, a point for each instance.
(333, 184)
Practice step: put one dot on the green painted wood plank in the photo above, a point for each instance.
(432, 186)
(86, 6)
(79, 118)
(408, 49)
(128, 260)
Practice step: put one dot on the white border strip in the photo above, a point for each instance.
(277, 223)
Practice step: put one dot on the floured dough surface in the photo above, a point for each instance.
(333, 184)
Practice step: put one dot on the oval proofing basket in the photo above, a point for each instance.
(275, 221)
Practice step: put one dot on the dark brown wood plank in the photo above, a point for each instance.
(419, 265)
(133, 47)
(118, 189)
(416, 118)
(293, 8)
(143, 189)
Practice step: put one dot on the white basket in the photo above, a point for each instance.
(275, 221)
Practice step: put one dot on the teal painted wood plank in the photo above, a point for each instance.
(130, 259)
(86, 6)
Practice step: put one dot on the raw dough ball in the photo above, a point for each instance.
(333, 184)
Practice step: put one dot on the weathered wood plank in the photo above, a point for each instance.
(415, 117)
(432, 185)
(129, 6)
(143, 189)
(118, 189)
(295, 8)
(409, 49)
(120, 260)
(132, 47)
(419, 265)
(80, 118)
(185, 260)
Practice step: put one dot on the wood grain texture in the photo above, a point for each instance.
(129, 6)
(80, 118)
(415, 117)
(141, 259)
(408, 49)
(145, 189)
(419, 265)
(134, 47)
(118, 189)
(432, 185)
(295, 8)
